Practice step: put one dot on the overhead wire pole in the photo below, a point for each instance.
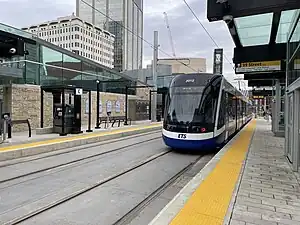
(154, 73)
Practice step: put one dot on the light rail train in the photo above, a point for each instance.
(203, 111)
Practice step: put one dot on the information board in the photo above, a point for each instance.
(118, 106)
(258, 97)
(108, 106)
(252, 67)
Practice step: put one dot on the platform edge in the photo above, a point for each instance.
(168, 213)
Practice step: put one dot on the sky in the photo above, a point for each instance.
(190, 39)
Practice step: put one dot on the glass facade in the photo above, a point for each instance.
(47, 64)
(293, 61)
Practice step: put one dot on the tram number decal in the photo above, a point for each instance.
(182, 136)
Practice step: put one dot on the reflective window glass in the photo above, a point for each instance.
(284, 25)
(72, 69)
(51, 71)
(254, 30)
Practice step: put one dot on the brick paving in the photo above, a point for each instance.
(269, 192)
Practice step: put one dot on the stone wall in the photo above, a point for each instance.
(23, 102)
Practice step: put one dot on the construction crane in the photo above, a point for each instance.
(170, 34)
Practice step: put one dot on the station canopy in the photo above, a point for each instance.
(257, 29)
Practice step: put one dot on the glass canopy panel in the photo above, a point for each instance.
(284, 25)
(254, 30)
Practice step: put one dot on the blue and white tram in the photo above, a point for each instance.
(203, 111)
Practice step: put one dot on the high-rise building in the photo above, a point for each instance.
(78, 36)
(124, 19)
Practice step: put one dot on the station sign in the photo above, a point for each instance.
(218, 61)
(262, 92)
(254, 67)
(258, 97)
(78, 91)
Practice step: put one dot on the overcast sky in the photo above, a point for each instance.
(189, 37)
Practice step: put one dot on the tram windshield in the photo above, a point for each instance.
(190, 105)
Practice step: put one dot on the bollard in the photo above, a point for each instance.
(107, 120)
(8, 130)
(4, 130)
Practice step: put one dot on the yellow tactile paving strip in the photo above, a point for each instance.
(209, 203)
(72, 138)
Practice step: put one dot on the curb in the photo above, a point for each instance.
(168, 213)
(45, 148)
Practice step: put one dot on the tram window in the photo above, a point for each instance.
(221, 120)
(238, 109)
(242, 108)
(231, 105)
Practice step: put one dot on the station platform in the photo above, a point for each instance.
(249, 182)
(21, 146)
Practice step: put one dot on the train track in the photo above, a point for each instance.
(76, 149)
(134, 212)
(79, 161)
(79, 192)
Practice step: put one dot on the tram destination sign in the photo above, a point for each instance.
(253, 67)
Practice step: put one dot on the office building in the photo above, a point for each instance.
(124, 19)
(79, 36)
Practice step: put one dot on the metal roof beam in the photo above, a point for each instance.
(234, 34)
(274, 28)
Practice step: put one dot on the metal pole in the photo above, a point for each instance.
(154, 74)
(150, 103)
(277, 106)
(90, 112)
(42, 108)
(63, 130)
(126, 106)
(4, 130)
(98, 103)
